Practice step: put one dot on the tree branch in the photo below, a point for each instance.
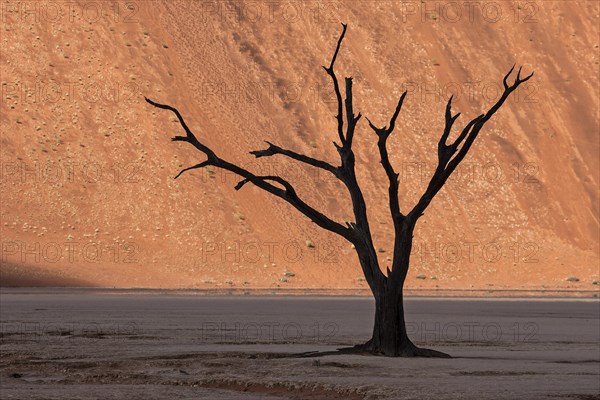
(274, 178)
(201, 165)
(352, 120)
(347, 175)
(445, 151)
(287, 193)
(274, 149)
(190, 137)
(450, 156)
(336, 86)
(383, 134)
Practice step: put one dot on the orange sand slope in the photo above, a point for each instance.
(87, 189)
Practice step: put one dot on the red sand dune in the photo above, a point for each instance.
(87, 187)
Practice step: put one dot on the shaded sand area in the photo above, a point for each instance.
(89, 344)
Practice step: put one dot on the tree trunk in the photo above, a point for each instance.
(389, 331)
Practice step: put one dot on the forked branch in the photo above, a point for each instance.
(285, 192)
(450, 155)
(383, 134)
(336, 86)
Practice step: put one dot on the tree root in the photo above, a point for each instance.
(422, 352)
(409, 350)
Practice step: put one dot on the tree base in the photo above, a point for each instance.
(406, 350)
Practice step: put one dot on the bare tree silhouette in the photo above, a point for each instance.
(389, 332)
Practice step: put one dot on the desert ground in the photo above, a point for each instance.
(89, 344)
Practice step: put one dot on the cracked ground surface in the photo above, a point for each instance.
(87, 345)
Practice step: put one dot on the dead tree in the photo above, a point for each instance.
(389, 332)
